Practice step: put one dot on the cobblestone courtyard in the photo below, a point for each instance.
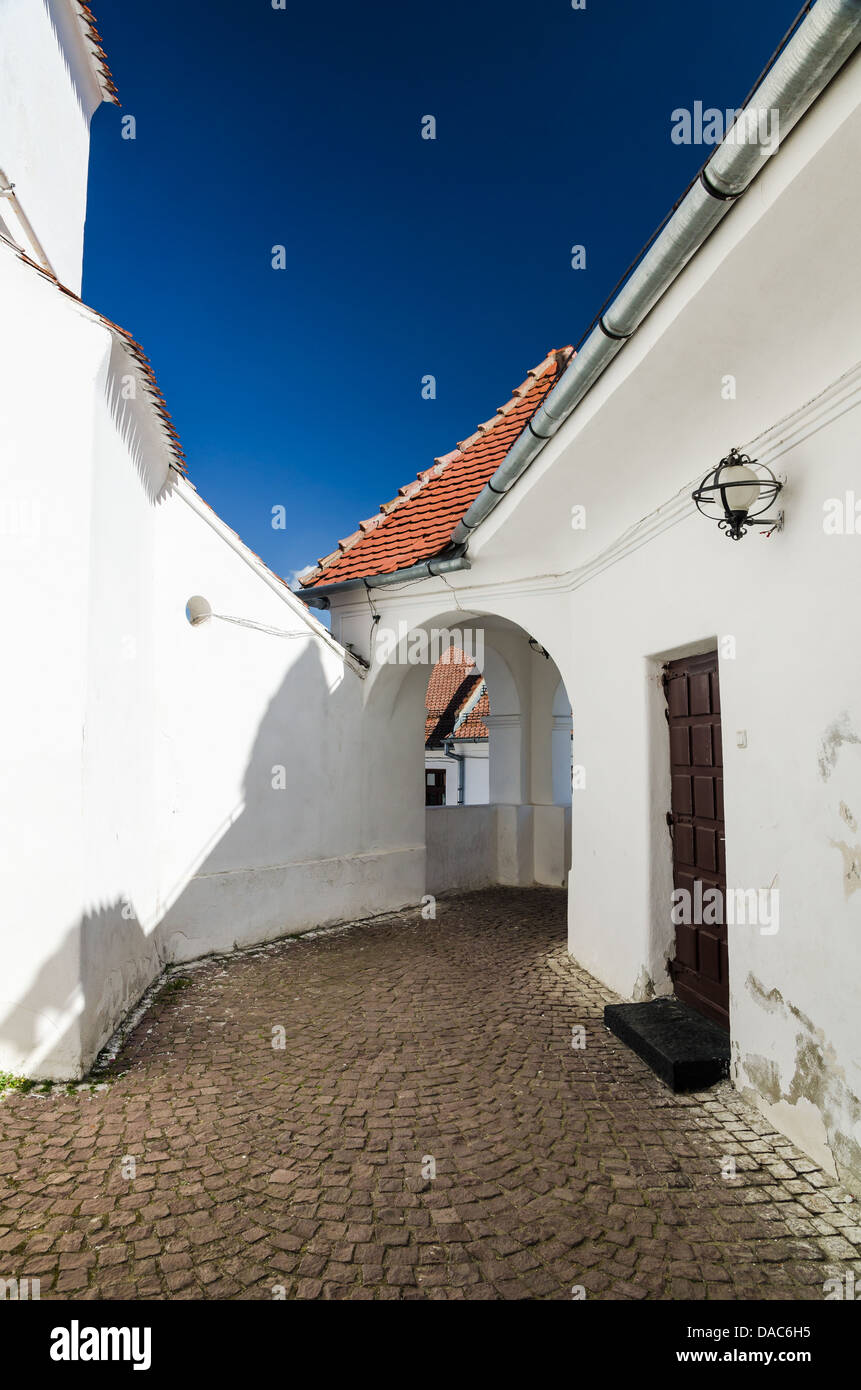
(405, 1040)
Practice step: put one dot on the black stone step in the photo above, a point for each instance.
(688, 1052)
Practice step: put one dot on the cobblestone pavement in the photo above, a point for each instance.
(405, 1040)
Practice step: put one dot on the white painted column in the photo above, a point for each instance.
(561, 746)
(505, 745)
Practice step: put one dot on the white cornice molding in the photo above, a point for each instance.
(821, 410)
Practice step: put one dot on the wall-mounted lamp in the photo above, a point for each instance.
(537, 647)
(738, 492)
(198, 610)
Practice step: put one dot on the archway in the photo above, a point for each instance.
(521, 834)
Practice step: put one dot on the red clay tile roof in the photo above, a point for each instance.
(456, 700)
(419, 521)
(98, 58)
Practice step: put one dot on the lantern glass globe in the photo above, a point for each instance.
(745, 490)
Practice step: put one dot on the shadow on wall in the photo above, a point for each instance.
(129, 409)
(78, 996)
(292, 859)
(61, 21)
(284, 865)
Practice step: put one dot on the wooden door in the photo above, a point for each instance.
(696, 820)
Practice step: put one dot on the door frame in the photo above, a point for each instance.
(705, 986)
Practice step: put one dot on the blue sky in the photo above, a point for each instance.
(405, 257)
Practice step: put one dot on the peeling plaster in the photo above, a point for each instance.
(764, 1074)
(800, 1118)
(644, 988)
(835, 736)
(846, 814)
(817, 1109)
(851, 866)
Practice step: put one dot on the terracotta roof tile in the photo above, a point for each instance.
(135, 352)
(471, 725)
(456, 700)
(419, 521)
(98, 58)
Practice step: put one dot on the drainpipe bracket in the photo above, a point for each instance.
(609, 333)
(535, 435)
(715, 192)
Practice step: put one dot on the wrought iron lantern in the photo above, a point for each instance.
(738, 492)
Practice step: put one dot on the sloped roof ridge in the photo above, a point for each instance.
(557, 358)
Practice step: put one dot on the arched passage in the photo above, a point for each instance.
(522, 835)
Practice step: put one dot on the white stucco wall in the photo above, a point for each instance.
(477, 776)
(469, 847)
(264, 860)
(144, 817)
(461, 848)
(48, 94)
(46, 422)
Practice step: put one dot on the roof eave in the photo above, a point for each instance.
(96, 55)
(452, 558)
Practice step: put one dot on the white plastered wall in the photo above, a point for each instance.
(168, 789)
(48, 94)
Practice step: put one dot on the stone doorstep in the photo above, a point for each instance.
(688, 1052)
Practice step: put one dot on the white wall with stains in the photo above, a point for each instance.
(773, 302)
(144, 816)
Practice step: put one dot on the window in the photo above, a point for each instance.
(435, 787)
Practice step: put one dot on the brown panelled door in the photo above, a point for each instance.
(696, 820)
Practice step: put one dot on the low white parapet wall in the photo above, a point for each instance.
(474, 846)
(460, 848)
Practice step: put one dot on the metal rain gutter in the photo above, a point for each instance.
(819, 47)
(318, 595)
